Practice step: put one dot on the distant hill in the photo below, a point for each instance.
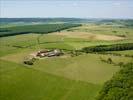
(45, 20)
(125, 22)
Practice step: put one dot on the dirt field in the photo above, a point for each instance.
(87, 35)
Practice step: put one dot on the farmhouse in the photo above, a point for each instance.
(48, 53)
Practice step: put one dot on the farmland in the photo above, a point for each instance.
(48, 28)
(69, 77)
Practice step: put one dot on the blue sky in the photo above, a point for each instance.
(67, 8)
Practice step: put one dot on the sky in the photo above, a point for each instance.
(67, 8)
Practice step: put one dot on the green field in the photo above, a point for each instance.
(59, 78)
(40, 28)
(105, 29)
(19, 82)
(126, 52)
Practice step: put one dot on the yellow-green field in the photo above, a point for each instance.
(104, 29)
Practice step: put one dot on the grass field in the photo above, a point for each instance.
(127, 52)
(21, 83)
(75, 68)
(59, 78)
(104, 29)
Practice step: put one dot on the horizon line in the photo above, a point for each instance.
(70, 17)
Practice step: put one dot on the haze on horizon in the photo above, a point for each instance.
(67, 8)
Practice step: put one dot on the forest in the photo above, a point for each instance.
(120, 86)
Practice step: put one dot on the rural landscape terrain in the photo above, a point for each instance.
(66, 59)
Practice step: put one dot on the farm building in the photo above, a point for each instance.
(48, 53)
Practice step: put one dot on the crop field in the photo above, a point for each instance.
(42, 28)
(67, 77)
(89, 36)
(105, 29)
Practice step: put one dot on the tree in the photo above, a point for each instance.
(114, 31)
(28, 62)
(109, 61)
(120, 64)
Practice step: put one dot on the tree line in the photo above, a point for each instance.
(113, 47)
